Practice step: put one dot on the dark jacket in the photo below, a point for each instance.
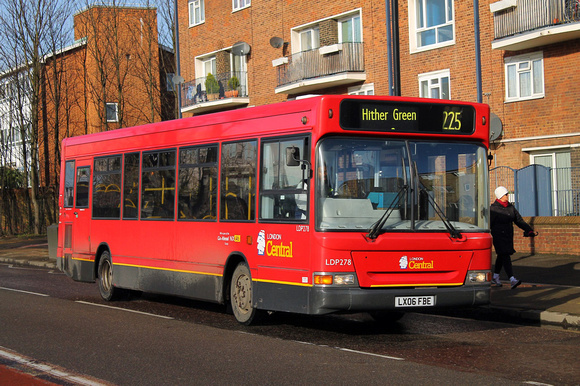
(502, 229)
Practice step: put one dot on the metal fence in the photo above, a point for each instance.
(540, 191)
(210, 88)
(529, 15)
(349, 57)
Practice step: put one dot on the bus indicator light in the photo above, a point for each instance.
(323, 279)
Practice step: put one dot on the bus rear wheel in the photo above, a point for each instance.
(105, 271)
(241, 289)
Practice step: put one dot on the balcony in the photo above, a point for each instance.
(532, 23)
(209, 94)
(330, 66)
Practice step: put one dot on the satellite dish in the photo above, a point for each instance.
(495, 127)
(276, 42)
(241, 49)
(178, 79)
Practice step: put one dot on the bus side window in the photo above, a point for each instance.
(131, 186)
(69, 184)
(107, 187)
(197, 197)
(238, 181)
(158, 185)
(83, 180)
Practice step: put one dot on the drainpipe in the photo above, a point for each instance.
(177, 66)
(396, 54)
(389, 47)
(477, 50)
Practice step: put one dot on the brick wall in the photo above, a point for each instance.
(557, 235)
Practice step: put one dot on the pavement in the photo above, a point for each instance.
(548, 296)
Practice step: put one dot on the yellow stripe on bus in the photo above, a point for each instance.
(283, 282)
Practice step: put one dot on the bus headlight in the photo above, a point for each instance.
(334, 279)
(347, 279)
(478, 277)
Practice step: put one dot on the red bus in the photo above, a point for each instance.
(320, 205)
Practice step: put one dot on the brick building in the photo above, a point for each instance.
(529, 50)
(114, 75)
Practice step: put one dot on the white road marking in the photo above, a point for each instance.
(24, 292)
(124, 309)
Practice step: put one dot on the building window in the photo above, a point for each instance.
(365, 89)
(524, 77)
(112, 112)
(350, 30)
(435, 85)
(310, 39)
(565, 181)
(169, 81)
(431, 24)
(240, 4)
(196, 12)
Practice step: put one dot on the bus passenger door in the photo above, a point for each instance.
(77, 217)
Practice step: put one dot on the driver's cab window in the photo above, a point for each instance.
(284, 179)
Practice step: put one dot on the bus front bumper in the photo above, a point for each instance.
(331, 299)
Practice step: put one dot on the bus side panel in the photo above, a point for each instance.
(282, 297)
(184, 284)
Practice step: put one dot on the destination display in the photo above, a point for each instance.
(389, 116)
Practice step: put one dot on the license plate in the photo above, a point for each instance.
(415, 301)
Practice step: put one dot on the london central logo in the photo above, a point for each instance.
(415, 263)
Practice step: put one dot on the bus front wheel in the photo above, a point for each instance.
(106, 288)
(241, 295)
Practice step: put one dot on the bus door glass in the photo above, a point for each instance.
(80, 217)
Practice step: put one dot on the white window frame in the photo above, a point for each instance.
(353, 25)
(200, 68)
(116, 107)
(520, 65)
(434, 82)
(314, 38)
(365, 89)
(195, 6)
(295, 37)
(415, 28)
(240, 4)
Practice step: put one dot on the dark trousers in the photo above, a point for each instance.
(505, 262)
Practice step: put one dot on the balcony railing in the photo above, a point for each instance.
(530, 15)
(213, 88)
(347, 57)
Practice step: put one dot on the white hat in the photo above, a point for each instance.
(500, 192)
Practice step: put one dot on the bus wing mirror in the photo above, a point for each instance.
(292, 156)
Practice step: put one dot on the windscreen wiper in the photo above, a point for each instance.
(450, 228)
(377, 226)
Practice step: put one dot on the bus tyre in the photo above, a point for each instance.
(241, 295)
(105, 271)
